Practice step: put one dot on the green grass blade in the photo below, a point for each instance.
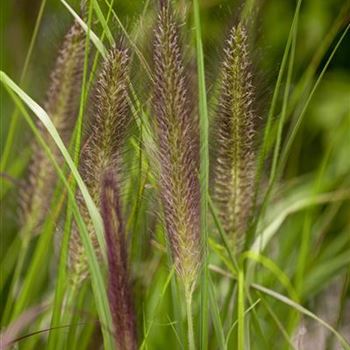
(84, 91)
(176, 301)
(306, 239)
(278, 323)
(61, 279)
(302, 310)
(15, 304)
(300, 118)
(103, 21)
(317, 277)
(153, 312)
(222, 233)
(282, 118)
(96, 274)
(45, 119)
(61, 286)
(132, 43)
(268, 127)
(94, 38)
(274, 269)
(269, 231)
(204, 173)
(9, 261)
(14, 171)
(305, 81)
(215, 312)
(241, 313)
(234, 324)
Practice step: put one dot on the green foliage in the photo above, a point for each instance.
(292, 274)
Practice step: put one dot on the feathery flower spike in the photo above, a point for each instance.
(105, 143)
(177, 148)
(61, 105)
(235, 129)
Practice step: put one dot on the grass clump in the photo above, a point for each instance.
(141, 261)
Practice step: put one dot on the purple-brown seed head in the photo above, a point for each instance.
(104, 145)
(177, 147)
(119, 291)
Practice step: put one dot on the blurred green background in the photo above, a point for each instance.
(270, 30)
(327, 121)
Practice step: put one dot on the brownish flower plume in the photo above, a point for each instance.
(61, 105)
(177, 147)
(105, 142)
(234, 126)
(119, 291)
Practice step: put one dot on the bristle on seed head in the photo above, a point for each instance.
(177, 147)
(235, 131)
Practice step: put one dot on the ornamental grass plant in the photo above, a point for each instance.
(148, 201)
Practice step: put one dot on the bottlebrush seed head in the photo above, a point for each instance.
(177, 147)
(235, 130)
(111, 118)
(119, 291)
(61, 105)
(105, 142)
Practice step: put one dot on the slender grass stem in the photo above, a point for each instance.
(6, 316)
(84, 89)
(300, 118)
(204, 173)
(241, 315)
(285, 96)
(304, 82)
(191, 340)
(269, 122)
(24, 247)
